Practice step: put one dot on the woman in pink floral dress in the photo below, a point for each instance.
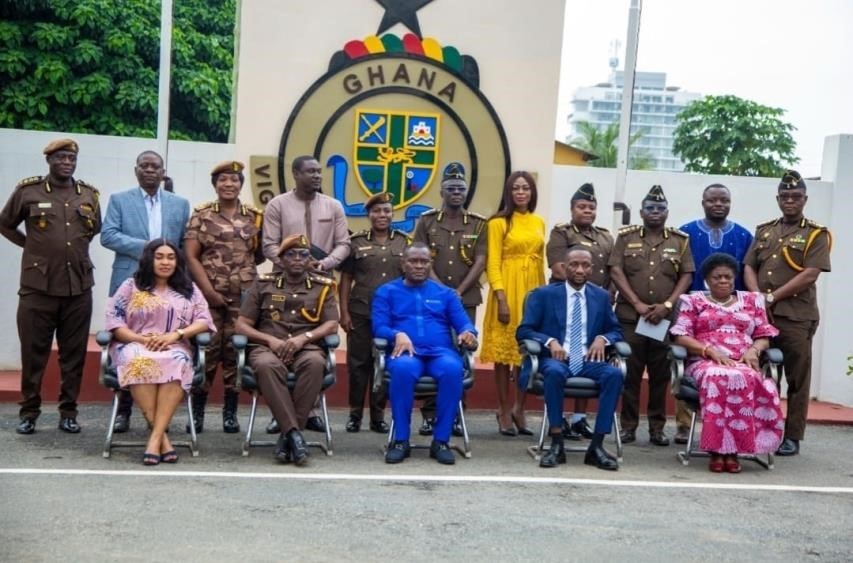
(153, 316)
(725, 333)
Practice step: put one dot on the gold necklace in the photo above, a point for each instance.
(724, 302)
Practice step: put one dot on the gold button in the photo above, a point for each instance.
(769, 273)
(383, 274)
(384, 260)
(654, 248)
(67, 224)
(66, 205)
(650, 292)
(451, 247)
(601, 271)
(449, 278)
(780, 240)
(68, 244)
(450, 262)
(651, 277)
(774, 256)
(652, 263)
(35, 263)
(382, 247)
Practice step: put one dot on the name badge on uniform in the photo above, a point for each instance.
(797, 239)
(470, 236)
(587, 243)
(277, 298)
(45, 205)
(670, 250)
(635, 245)
(363, 248)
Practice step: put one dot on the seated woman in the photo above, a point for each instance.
(725, 333)
(153, 316)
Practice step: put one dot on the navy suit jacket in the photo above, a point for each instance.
(125, 228)
(545, 311)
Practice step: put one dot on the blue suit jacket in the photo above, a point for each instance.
(125, 228)
(545, 311)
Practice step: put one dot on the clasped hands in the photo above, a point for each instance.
(595, 353)
(654, 313)
(750, 357)
(159, 341)
(287, 348)
(403, 344)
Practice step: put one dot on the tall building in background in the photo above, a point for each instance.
(655, 107)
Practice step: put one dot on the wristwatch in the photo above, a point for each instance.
(181, 333)
(668, 305)
(309, 335)
(770, 298)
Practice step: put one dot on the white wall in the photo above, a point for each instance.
(107, 163)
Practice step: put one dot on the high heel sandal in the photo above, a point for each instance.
(732, 464)
(150, 459)
(522, 430)
(716, 464)
(502, 430)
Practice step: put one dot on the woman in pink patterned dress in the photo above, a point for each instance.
(152, 316)
(725, 333)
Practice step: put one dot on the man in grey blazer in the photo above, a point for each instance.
(133, 218)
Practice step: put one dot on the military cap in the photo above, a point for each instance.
(381, 197)
(453, 171)
(293, 241)
(62, 145)
(655, 194)
(585, 192)
(234, 166)
(791, 181)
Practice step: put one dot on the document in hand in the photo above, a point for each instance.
(657, 332)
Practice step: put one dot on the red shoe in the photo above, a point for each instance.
(732, 464)
(716, 464)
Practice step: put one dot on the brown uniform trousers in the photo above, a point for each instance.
(56, 281)
(653, 267)
(284, 311)
(778, 253)
(453, 251)
(230, 250)
(370, 264)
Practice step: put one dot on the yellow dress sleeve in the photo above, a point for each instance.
(494, 258)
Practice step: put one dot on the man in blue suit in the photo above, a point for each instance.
(133, 218)
(573, 322)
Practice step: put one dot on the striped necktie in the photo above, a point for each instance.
(576, 337)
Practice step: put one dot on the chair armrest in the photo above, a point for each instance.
(380, 344)
(331, 341)
(622, 349)
(202, 339)
(529, 347)
(103, 338)
(773, 355)
(240, 341)
(677, 352)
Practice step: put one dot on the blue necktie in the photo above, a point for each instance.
(576, 337)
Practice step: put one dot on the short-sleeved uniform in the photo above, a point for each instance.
(597, 240)
(653, 265)
(56, 283)
(778, 253)
(230, 250)
(283, 311)
(370, 264)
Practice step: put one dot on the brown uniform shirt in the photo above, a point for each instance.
(284, 311)
(230, 248)
(652, 267)
(453, 251)
(371, 264)
(597, 240)
(779, 252)
(60, 224)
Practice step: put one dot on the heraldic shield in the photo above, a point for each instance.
(397, 152)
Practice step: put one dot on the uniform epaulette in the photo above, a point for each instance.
(253, 209)
(404, 234)
(565, 225)
(267, 277)
(814, 225)
(205, 205)
(602, 229)
(29, 181)
(315, 277)
(630, 229)
(432, 211)
(766, 223)
(87, 185)
(361, 233)
(678, 232)
(477, 215)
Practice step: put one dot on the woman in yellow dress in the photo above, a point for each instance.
(514, 267)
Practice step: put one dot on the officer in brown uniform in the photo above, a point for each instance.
(223, 247)
(651, 266)
(62, 216)
(786, 257)
(374, 258)
(284, 317)
(457, 241)
(580, 232)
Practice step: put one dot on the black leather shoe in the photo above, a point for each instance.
(658, 439)
(199, 402)
(568, 432)
(230, 424)
(69, 424)
(441, 452)
(555, 455)
(273, 427)
(789, 447)
(353, 424)
(282, 450)
(601, 459)
(681, 435)
(315, 424)
(379, 426)
(582, 429)
(122, 423)
(26, 426)
(298, 449)
(398, 451)
(426, 427)
(628, 436)
(457, 428)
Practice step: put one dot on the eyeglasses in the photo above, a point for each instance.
(790, 197)
(653, 208)
(303, 254)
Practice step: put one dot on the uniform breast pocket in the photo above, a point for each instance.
(796, 251)
(210, 231)
(633, 260)
(273, 307)
(41, 218)
(671, 265)
(363, 253)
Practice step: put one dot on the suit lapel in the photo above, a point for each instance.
(141, 211)
(562, 311)
(591, 314)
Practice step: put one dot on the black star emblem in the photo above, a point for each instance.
(402, 11)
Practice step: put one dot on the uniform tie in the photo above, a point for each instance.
(576, 337)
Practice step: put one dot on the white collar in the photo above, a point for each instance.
(570, 291)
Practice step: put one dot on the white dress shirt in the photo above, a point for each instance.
(155, 214)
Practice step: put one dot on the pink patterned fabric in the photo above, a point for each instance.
(740, 407)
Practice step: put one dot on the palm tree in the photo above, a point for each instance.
(603, 144)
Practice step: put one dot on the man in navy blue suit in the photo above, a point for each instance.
(574, 322)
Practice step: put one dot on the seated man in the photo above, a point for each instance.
(284, 316)
(573, 322)
(418, 314)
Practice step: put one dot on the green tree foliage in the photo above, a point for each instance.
(603, 143)
(91, 66)
(730, 135)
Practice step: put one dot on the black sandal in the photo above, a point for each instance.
(150, 459)
(169, 457)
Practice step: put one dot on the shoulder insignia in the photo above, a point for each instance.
(267, 277)
(602, 229)
(404, 234)
(317, 278)
(362, 233)
(29, 181)
(432, 211)
(814, 225)
(477, 216)
(253, 209)
(678, 232)
(87, 185)
(766, 223)
(629, 229)
(203, 206)
(562, 225)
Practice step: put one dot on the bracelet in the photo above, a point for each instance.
(757, 351)
(705, 350)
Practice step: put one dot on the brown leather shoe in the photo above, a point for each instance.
(681, 435)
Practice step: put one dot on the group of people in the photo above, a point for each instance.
(178, 273)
